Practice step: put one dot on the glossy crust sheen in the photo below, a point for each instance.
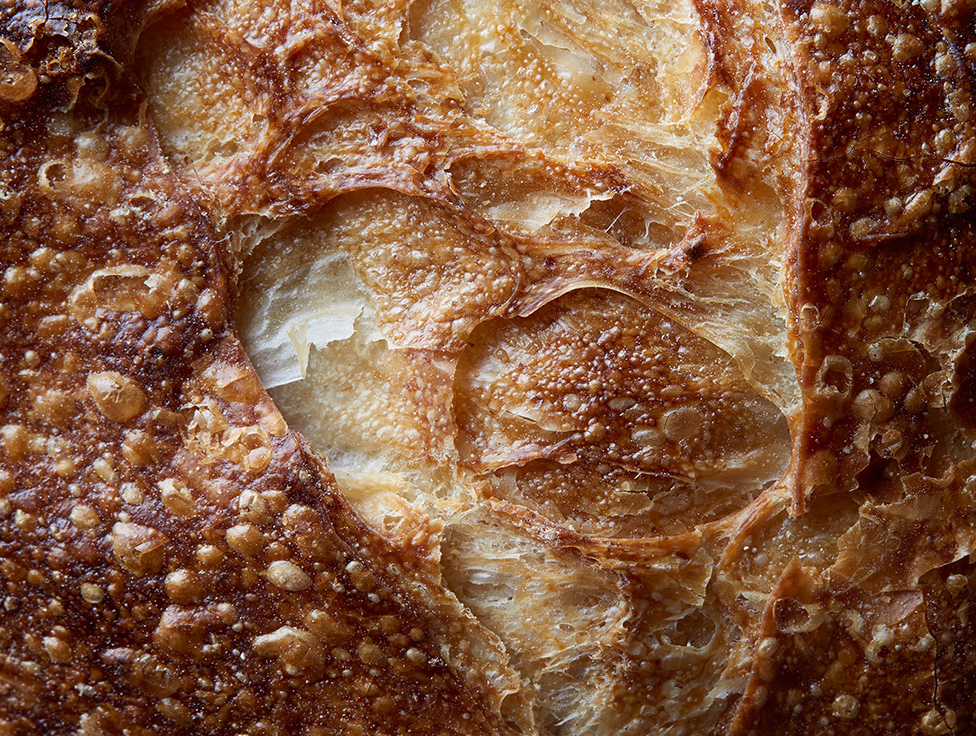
(487, 367)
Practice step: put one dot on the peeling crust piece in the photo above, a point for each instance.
(557, 368)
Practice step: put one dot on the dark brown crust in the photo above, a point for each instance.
(887, 216)
(880, 283)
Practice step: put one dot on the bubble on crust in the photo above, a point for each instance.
(177, 498)
(131, 288)
(288, 576)
(117, 397)
(139, 549)
(245, 539)
(84, 517)
(92, 593)
(682, 423)
(18, 81)
(295, 648)
(184, 586)
(829, 19)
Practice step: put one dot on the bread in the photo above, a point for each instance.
(450, 367)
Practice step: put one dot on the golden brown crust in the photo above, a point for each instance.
(637, 338)
(174, 559)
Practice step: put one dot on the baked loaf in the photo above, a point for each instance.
(564, 367)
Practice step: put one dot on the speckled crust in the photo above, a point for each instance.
(453, 367)
(174, 559)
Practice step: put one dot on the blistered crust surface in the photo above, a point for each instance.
(635, 336)
(175, 560)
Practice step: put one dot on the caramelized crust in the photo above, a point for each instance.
(429, 367)
(175, 559)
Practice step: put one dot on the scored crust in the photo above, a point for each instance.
(460, 367)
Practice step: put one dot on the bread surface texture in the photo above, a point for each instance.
(555, 368)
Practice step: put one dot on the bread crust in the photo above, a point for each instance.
(561, 368)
